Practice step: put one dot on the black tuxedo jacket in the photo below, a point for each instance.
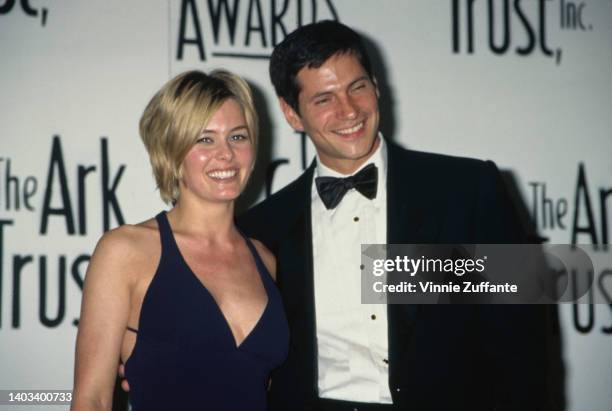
(441, 357)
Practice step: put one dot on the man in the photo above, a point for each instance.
(349, 356)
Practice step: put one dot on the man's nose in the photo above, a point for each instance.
(348, 109)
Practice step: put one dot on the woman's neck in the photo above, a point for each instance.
(208, 221)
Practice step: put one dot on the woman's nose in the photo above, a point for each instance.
(225, 152)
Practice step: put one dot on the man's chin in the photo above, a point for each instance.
(366, 149)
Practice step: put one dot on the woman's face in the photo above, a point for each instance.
(218, 166)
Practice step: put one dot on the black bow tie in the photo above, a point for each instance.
(332, 189)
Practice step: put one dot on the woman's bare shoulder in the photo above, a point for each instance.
(129, 243)
(267, 256)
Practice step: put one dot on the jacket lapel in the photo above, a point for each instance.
(297, 286)
(408, 222)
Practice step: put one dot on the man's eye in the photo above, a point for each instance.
(321, 101)
(359, 86)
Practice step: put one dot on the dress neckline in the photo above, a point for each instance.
(256, 259)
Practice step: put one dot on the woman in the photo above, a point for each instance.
(184, 299)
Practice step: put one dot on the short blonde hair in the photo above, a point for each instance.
(175, 117)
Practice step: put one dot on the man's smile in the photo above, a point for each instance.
(351, 130)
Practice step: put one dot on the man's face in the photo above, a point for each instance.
(338, 109)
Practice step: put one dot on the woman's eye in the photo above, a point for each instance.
(238, 137)
(205, 140)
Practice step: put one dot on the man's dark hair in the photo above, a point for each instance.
(311, 46)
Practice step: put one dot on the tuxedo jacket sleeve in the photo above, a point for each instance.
(455, 357)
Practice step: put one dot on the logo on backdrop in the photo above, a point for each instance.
(24, 7)
(577, 216)
(514, 27)
(50, 200)
(242, 29)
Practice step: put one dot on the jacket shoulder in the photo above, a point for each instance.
(269, 219)
(440, 164)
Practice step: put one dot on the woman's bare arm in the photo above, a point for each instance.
(104, 315)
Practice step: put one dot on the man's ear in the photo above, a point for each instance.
(375, 81)
(291, 116)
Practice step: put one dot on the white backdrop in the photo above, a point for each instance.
(538, 101)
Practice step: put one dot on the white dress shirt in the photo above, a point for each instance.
(352, 338)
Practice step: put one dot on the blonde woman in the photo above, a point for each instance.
(185, 300)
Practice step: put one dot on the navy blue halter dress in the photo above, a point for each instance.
(185, 357)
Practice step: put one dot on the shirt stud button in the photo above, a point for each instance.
(386, 362)
(373, 316)
(355, 219)
(362, 266)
